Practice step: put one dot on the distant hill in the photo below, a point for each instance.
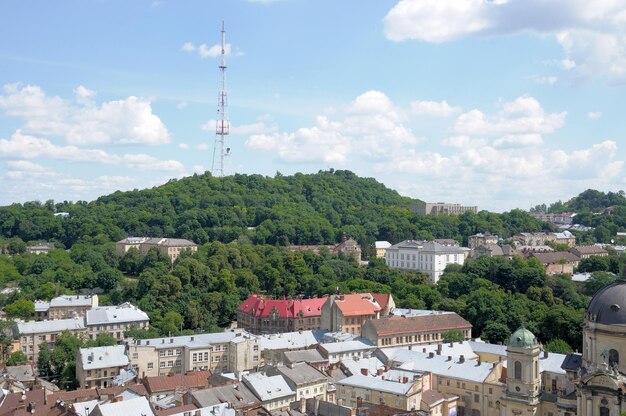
(297, 209)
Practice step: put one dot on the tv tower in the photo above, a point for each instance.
(222, 125)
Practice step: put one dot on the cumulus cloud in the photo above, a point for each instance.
(591, 34)
(206, 51)
(434, 108)
(127, 121)
(594, 114)
(368, 127)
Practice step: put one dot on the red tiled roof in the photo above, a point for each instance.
(286, 308)
(382, 299)
(13, 405)
(193, 379)
(357, 304)
(400, 325)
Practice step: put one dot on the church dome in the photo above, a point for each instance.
(523, 338)
(608, 305)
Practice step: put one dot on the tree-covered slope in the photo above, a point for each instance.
(297, 209)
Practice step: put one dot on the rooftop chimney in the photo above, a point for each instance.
(431, 354)
(545, 354)
(449, 358)
(379, 372)
(364, 371)
(423, 349)
(462, 359)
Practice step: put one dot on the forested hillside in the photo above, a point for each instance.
(298, 209)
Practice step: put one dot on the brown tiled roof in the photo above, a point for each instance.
(590, 250)
(177, 409)
(13, 405)
(400, 325)
(194, 379)
(382, 299)
(555, 257)
(431, 397)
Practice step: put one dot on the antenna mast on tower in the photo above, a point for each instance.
(222, 125)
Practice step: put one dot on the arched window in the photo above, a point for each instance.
(536, 369)
(604, 409)
(613, 358)
(518, 370)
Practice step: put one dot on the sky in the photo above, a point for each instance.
(497, 103)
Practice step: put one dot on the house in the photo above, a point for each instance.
(584, 252)
(170, 247)
(65, 307)
(481, 239)
(159, 387)
(415, 330)
(263, 315)
(113, 320)
(136, 406)
(235, 350)
(41, 248)
(98, 366)
(493, 250)
(441, 208)
(405, 394)
(348, 313)
(565, 237)
(337, 351)
(273, 391)
(381, 248)
(348, 246)
(429, 257)
(558, 262)
(305, 380)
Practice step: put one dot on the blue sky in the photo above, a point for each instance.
(495, 103)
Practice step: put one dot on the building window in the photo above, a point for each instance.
(206, 356)
(195, 357)
(170, 352)
(518, 370)
(178, 362)
(170, 363)
(150, 366)
(476, 398)
(135, 356)
(255, 348)
(162, 364)
(161, 353)
(613, 358)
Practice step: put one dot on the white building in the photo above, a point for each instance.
(424, 257)
(98, 366)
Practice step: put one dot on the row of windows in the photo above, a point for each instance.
(170, 363)
(170, 353)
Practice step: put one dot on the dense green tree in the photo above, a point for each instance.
(496, 333)
(16, 358)
(44, 359)
(21, 308)
(453, 335)
(558, 345)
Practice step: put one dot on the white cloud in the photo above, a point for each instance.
(182, 105)
(592, 34)
(183, 146)
(25, 165)
(546, 80)
(206, 51)
(128, 121)
(434, 108)
(523, 115)
(203, 146)
(594, 114)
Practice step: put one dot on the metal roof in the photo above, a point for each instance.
(137, 407)
(347, 346)
(268, 388)
(57, 325)
(103, 357)
(376, 383)
(115, 314)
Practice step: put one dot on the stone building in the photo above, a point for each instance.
(170, 247)
(263, 315)
(348, 313)
(98, 366)
(65, 307)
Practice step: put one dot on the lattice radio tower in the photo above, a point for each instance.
(222, 126)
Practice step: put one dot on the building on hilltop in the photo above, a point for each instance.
(170, 247)
(482, 239)
(348, 313)
(558, 262)
(41, 248)
(429, 257)
(441, 208)
(415, 330)
(65, 307)
(262, 315)
(347, 246)
(584, 252)
(381, 248)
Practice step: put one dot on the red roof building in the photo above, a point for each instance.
(262, 315)
(348, 313)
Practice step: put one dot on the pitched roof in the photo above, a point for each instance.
(399, 325)
(590, 250)
(115, 314)
(138, 406)
(302, 373)
(357, 304)
(259, 306)
(377, 384)
(193, 379)
(382, 299)
(103, 357)
(382, 244)
(555, 257)
(237, 394)
(268, 388)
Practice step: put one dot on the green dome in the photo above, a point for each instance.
(523, 338)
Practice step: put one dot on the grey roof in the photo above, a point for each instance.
(83, 408)
(237, 394)
(608, 305)
(71, 300)
(217, 410)
(581, 277)
(41, 306)
(302, 373)
(553, 363)
(457, 349)
(123, 313)
(289, 340)
(418, 361)
(268, 388)
(124, 377)
(487, 348)
(138, 406)
(20, 372)
(193, 341)
(347, 346)
(573, 361)
(58, 325)
(382, 244)
(416, 312)
(306, 356)
(376, 383)
(354, 366)
(103, 357)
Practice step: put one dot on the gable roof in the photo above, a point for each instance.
(138, 406)
(399, 325)
(259, 306)
(555, 257)
(237, 394)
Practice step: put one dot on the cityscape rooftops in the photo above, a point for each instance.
(302, 374)
(285, 308)
(115, 314)
(290, 340)
(191, 341)
(346, 346)
(376, 383)
(58, 325)
(137, 406)
(357, 304)
(161, 384)
(268, 388)
(420, 323)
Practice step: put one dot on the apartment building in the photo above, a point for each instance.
(305, 380)
(113, 320)
(65, 307)
(98, 366)
(170, 247)
(348, 313)
(263, 315)
(235, 350)
(482, 239)
(441, 208)
(405, 394)
(381, 248)
(414, 330)
(429, 257)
